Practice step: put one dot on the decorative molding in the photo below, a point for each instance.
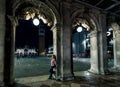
(56, 27)
(32, 7)
(94, 33)
(13, 20)
(116, 29)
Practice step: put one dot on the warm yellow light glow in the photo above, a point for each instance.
(44, 20)
(86, 26)
(28, 17)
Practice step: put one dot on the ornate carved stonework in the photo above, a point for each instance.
(116, 29)
(29, 8)
(13, 20)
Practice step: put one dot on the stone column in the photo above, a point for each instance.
(103, 44)
(117, 51)
(9, 50)
(94, 52)
(99, 48)
(66, 45)
(116, 44)
(57, 47)
(2, 41)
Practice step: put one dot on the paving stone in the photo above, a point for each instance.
(44, 85)
(65, 86)
(86, 85)
(75, 85)
(55, 84)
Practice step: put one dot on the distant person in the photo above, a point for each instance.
(52, 67)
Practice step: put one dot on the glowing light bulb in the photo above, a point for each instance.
(79, 29)
(36, 22)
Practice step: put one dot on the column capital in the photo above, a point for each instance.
(57, 26)
(116, 29)
(13, 19)
(67, 4)
(94, 33)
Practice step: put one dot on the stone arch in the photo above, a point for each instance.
(48, 10)
(116, 47)
(116, 28)
(56, 29)
(13, 21)
(93, 22)
(54, 10)
(39, 4)
(114, 23)
(42, 7)
(87, 17)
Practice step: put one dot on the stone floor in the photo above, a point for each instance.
(40, 66)
(82, 79)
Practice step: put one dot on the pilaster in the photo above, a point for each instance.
(116, 46)
(9, 50)
(99, 64)
(57, 47)
(117, 51)
(103, 44)
(94, 52)
(2, 41)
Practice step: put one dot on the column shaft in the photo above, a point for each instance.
(66, 63)
(2, 41)
(57, 47)
(99, 48)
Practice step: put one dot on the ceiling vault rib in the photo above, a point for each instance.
(99, 2)
(112, 6)
(108, 6)
(115, 1)
(117, 11)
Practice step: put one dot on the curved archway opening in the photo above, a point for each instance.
(113, 57)
(31, 48)
(32, 54)
(110, 47)
(81, 45)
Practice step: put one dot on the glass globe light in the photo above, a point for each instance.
(36, 21)
(79, 29)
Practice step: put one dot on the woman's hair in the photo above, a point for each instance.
(54, 57)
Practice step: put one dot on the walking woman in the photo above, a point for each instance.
(52, 67)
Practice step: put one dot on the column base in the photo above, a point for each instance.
(115, 69)
(103, 72)
(67, 78)
(2, 84)
(93, 71)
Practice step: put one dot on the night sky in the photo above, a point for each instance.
(27, 34)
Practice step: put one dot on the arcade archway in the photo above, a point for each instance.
(27, 10)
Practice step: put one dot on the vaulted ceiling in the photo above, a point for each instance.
(112, 6)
